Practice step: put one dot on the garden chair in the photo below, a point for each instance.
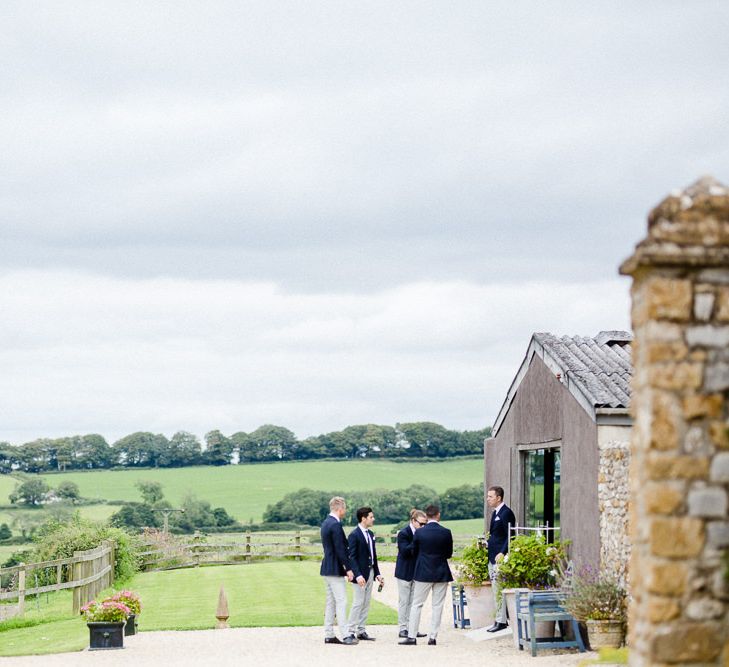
(458, 597)
(535, 606)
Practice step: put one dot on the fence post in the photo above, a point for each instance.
(21, 589)
(297, 545)
(59, 576)
(248, 546)
(76, 575)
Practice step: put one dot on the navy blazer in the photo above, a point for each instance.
(359, 554)
(405, 564)
(432, 546)
(336, 555)
(498, 542)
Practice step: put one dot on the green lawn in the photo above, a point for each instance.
(273, 594)
(246, 490)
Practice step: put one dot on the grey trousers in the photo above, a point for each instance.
(360, 606)
(420, 594)
(336, 605)
(500, 615)
(404, 601)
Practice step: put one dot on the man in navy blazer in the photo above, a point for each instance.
(335, 568)
(498, 546)
(432, 546)
(363, 557)
(405, 569)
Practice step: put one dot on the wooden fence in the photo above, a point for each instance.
(87, 573)
(253, 547)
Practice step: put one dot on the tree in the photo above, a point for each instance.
(218, 449)
(30, 492)
(183, 449)
(5, 532)
(92, 451)
(429, 439)
(151, 492)
(68, 490)
(8, 458)
(463, 502)
(140, 449)
(136, 516)
(269, 443)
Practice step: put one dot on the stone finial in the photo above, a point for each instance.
(222, 612)
(690, 227)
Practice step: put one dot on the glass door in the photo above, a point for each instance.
(542, 471)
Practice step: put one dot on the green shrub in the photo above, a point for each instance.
(595, 598)
(531, 563)
(59, 540)
(473, 570)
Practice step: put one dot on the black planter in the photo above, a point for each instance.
(131, 627)
(106, 635)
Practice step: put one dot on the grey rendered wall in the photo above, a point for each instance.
(579, 506)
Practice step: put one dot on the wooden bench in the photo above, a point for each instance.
(535, 606)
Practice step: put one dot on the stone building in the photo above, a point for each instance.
(560, 444)
(679, 609)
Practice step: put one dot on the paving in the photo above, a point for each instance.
(279, 647)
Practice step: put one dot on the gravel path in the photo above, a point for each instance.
(279, 647)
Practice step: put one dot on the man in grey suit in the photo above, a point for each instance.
(432, 546)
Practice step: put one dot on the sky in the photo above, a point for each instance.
(219, 215)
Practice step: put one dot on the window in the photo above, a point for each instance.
(541, 487)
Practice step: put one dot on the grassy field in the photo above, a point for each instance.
(276, 594)
(246, 490)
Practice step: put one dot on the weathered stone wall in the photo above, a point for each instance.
(612, 491)
(679, 476)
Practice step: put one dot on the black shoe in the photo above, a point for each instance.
(349, 641)
(431, 642)
(498, 626)
(332, 640)
(408, 641)
(420, 634)
(403, 634)
(365, 637)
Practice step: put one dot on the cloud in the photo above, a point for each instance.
(89, 353)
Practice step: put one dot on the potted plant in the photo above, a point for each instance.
(473, 575)
(132, 601)
(599, 602)
(105, 621)
(531, 564)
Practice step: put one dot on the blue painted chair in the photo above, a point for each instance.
(458, 597)
(535, 606)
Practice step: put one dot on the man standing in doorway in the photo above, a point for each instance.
(363, 557)
(335, 568)
(432, 546)
(498, 545)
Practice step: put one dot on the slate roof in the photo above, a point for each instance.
(600, 366)
(596, 371)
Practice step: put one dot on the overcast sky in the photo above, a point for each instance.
(219, 215)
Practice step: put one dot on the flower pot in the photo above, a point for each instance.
(480, 601)
(605, 634)
(131, 626)
(105, 635)
(509, 599)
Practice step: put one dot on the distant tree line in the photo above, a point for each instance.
(196, 515)
(267, 443)
(310, 507)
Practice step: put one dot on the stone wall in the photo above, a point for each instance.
(679, 474)
(612, 491)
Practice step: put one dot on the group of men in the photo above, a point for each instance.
(423, 550)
